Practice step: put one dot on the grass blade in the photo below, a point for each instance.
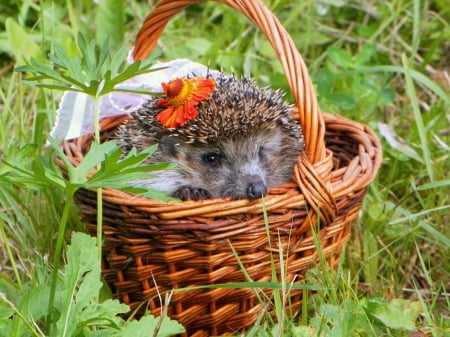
(410, 89)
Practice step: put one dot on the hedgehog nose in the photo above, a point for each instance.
(256, 189)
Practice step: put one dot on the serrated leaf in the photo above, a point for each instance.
(72, 65)
(104, 52)
(135, 158)
(34, 172)
(56, 87)
(127, 73)
(119, 173)
(80, 283)
(95, 156)
(87, 49)
(104, 314)
(117, 61)
(41, 69)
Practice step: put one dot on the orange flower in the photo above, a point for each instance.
(181, 97)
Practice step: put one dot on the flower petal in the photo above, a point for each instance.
(181, 97)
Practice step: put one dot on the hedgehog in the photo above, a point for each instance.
(242, 142)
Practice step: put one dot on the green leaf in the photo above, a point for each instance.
(41, 69)
(34, 172)
(54, 87)
(110, 21)
(33, 305)
(417, 76)
(89, 61)
(103, 57)
(118, 173)
(127, 73)
(147, 325)
(340, 57)
(78, 305)
(94, 157)
(72, 65)
(5, 318)
(303, 331)
(158, 195)
(80, 284)
(341, 320)
(324, 82)
(435, 184)
(397, 314)
(103, 314)
(96, 73)
(387, 95)
(365, 54)
(343, 101)
(118, 60)
(22, 45)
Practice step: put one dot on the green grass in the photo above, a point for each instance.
(375, 62)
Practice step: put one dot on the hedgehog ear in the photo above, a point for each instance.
(170, 145)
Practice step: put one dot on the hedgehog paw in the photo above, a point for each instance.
(189, 193)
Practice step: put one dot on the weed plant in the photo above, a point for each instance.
(382, 63)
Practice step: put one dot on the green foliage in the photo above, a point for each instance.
(340, 78)
(113, 171)
(366, 317)
(76, 311)
(95, 73)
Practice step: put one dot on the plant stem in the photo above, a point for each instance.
(58, 251)
(99, 222)
(99, 190)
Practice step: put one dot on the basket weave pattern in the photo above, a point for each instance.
(151, 246)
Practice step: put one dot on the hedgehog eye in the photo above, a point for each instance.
(261, 152)
(212, 158)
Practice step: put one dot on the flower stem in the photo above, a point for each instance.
(58, 251)
(99, 190)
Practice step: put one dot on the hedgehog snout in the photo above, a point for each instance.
(256, 189)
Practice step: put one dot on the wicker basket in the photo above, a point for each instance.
(152, 247)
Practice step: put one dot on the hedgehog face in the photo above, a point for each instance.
(239, 167)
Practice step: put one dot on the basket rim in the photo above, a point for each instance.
(287, 195)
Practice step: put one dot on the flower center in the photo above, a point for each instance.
(180, 91)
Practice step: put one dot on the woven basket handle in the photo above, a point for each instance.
(294, 67)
